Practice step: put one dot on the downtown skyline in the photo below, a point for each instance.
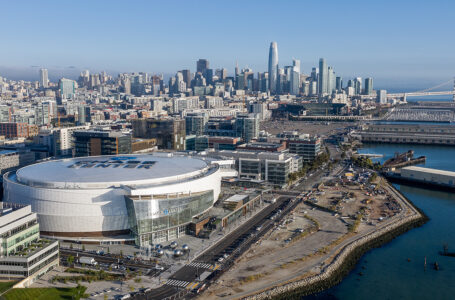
(152, 39)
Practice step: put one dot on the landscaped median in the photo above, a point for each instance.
(88, 276)
(75, 293)
(345, 260)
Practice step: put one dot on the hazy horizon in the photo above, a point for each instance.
(395, 42)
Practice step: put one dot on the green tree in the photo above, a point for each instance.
(70, 260)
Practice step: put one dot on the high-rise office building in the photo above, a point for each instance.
(273, 67)
(67, 88)
(339, 83)
(83, 114)
(314, 75)
(247, 126)
(180, 83)
(209, 76)
(223, 74)
(202, 65)
(294, 85)
(358, 85)
(187, 77)
(296, 65)
(43, 78)
(368, 90)
(323, 82)
(331, 80)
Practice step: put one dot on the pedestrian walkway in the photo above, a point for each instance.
(177, 283)
(201, 265)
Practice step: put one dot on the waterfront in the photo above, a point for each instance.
(386, 272)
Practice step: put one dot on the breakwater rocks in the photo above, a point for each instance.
(345, 260)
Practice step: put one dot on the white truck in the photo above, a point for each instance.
(87, 260)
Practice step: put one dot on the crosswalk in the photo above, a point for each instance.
(201, 265)
(178, 283)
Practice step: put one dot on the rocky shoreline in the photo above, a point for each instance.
(345, 260)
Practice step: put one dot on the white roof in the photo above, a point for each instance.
(106, 171)
(236, 198)
(429, 171)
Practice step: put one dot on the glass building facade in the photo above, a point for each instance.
(159, 218)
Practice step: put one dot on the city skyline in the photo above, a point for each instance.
(99, 39)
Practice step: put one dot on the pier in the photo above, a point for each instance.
(373, 155)
(409, 134)
(403, 160)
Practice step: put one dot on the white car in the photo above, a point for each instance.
(159, 268)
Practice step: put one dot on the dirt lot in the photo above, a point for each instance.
(348, 198)
(286, 253)
(273, 258)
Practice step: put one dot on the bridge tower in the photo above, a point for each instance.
(454, 89)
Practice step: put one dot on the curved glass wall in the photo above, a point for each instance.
(148, 215)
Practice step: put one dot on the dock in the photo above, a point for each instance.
(424, 178)
(374, 155)
(405, 159)
(409, 134)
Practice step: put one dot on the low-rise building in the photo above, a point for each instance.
(23, 255)
(308, 149)
(271, 167)
(94, 143)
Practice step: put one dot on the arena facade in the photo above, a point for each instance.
(146, 198)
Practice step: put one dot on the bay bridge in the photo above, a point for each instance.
(424, 111)
(426, 92)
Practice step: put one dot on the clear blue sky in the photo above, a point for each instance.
(402, 40)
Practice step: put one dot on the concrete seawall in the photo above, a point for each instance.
(347, 257)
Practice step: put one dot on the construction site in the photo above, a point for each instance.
(301, 244)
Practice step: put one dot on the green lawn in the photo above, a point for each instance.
(45, 293)
(6, 285)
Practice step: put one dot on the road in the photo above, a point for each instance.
(103, 259)
(406, 210)
(233, 245)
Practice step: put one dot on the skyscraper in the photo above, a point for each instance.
(202, 65)
(294, 86)
(331, 80)
(67, 88)
(296, 65)
(273, 67)
(323, 82)
(187, 77)
(368, 90)
(43, 78)
(339, 83)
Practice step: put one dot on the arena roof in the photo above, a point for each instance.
(98, 171)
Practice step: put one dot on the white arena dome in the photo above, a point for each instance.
(149, 197)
